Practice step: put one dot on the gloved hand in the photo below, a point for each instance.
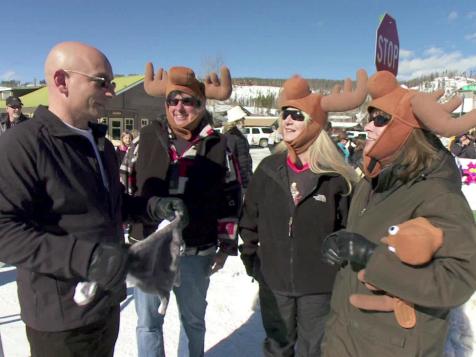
(341, 247)
(108, 266)
(165, 208)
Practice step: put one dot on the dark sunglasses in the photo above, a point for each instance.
(295, 115)
(100, 81)
(380, 120)
(15, 106)
(187, 102)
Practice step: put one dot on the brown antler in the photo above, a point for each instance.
(437, 117)
(154, 86)
(216, 89)
(348, 99)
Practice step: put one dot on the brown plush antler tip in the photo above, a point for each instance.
(381, 83)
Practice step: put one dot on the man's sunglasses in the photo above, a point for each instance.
(101, 81)
(186, 102)
(380, 120)
(295, 115)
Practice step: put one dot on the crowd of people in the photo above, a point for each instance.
(349, 262)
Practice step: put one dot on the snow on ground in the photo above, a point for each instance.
(233, 320)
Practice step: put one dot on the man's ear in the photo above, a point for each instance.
(59, 78)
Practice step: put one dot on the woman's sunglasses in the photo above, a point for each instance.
(295, 115)
(186, 102)
(380, 120)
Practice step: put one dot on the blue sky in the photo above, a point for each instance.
(255, 38)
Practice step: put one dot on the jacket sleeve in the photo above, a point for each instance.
(343, 204)
(450, 278)
(248, 225)
(245, 161)
(23, 242)
(231, 208)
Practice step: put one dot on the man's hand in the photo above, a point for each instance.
(166, 208)
(341, 247)
(218, 262)
(108, 266)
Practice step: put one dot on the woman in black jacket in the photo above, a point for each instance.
(238, 144)
(295, 198)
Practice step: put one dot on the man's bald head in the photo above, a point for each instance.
(78, 78)
(72, 55)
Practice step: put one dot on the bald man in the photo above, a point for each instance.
(62, 209)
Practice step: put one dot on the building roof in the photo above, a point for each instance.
(40, 96)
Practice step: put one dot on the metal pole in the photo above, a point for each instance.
(1, 348)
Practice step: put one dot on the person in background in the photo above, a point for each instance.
(121, 149)
(357, 154)
(182, 156)
(61, 220)
(342, 144)
(296, 198)
(409, 176)
(464, 147)
(238, 144)
(13, 115)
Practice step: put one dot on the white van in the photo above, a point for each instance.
(259, 135)
(351, 134)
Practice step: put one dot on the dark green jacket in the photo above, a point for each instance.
(447, 281)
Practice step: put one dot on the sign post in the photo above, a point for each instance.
(387, 46)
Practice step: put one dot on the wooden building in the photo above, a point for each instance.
(131, 108)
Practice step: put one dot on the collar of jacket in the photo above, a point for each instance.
(56, 126)
(275, 166)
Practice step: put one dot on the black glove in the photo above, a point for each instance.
(108, 266)
(165, 208)
(341, 247)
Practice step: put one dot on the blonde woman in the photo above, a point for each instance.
(295, 198)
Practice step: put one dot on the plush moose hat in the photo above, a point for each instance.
(409, 110)
(296, 93)
(183, 79)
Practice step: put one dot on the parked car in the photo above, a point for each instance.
(259, 135)
(352, 134)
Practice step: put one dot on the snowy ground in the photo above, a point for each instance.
(233, 321)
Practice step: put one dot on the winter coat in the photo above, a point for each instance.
(54, 209)
(287, 238)
(211, 194)
(447, 281)
(5, 122)
(239, 147)
(464, 152)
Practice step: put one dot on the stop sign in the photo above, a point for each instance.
(387, 46)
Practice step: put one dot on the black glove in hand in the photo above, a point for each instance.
(341, 247)
(108, 266)
(166, 207)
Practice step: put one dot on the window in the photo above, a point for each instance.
(144, 122)
(128, 124)
(115, 128)
(267, 130)
(102, 120)
(255, 130)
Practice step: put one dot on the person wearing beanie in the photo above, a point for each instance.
(295, 198)
(13, 114)
(181, 156)
(238, 144)
(408, 175)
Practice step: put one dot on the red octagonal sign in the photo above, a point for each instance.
(387, 46)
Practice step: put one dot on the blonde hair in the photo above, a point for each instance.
(418, 153)
(325, 158)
